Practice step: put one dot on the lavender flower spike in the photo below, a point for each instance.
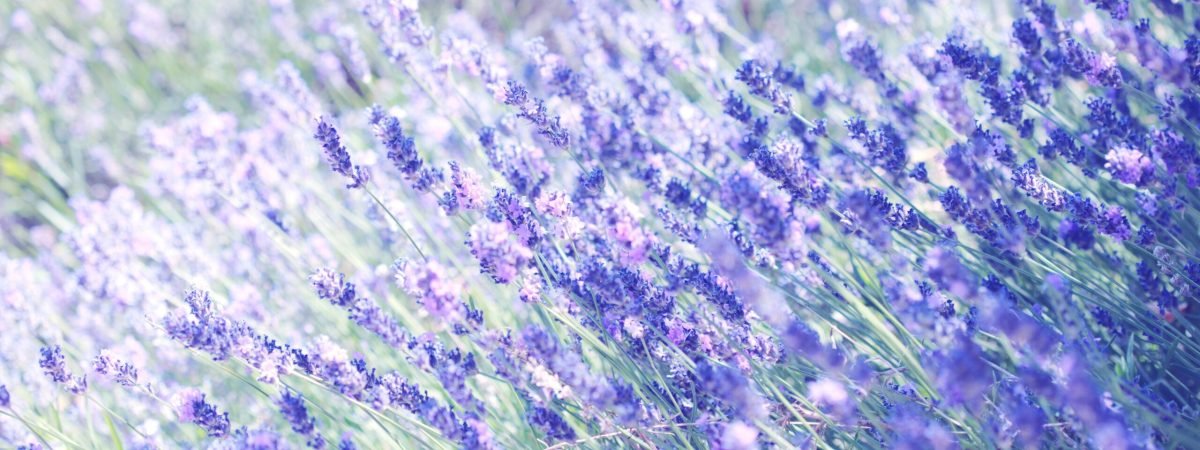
(337, 156)
(55, 366)
(191, 406)
(291, 405)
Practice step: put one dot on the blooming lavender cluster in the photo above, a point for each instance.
(597, 224)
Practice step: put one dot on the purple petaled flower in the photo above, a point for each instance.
(955, 204)
(943, 267)
(863, 54)
(1118, 9)
(333, 287)
(1129, 166)
(432, 288)
(337, 156)
(332, 363)
(55, 366)
(5, 399)
(736, 435)
(356, 59)
(1027, 36)
(728, 385)
(122, 372)
(963, 375)
(1030, 179)
(534, 111)
(1177, 153)
(803, 342)
(499, 254)
(884, 145)
(398, 24)
(1075, 234)
(466, 190)
(550, 424)
(1113, 222)
(761, 84)
(737, 108)
(291, 405)
(202, 329)
(402, 151)
(191, 407)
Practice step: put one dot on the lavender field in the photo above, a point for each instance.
(594, 224)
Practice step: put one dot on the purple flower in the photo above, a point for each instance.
(550, 424)
(402, 151)
(1129, 166)
(55, 366)
(122, 372)
(1113, 222)
(832, 397)
(331, 362)
(737, 108)
(534, 111)
(466, 190)
(191, 407)
(333, 287)
(1075, 234)
(432, 288)
(1030, 180)
(1027, 36)
(337, 156)
(500, 255)
(5, 399)
(291, 405)
(802, 341)
(1176, 153)
(1118, 9)
(727, 385)
(203, 329)
(943, 267)
(761, 84)
(963, 375)
(885, 146)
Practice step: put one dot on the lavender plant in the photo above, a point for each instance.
(592, 224)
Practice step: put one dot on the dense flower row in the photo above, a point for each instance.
(682, 224)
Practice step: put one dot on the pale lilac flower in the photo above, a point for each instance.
(1129, 165)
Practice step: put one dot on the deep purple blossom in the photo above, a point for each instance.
(762, 85)
(534, 111)
(737, 108)
(291, 405)
(1119, 9)
(944, 268)
(550, 424)
(122, 372)
(337, 156)
(55, 367)
(192, 406)
(202, 328)
(499, 253)
(333, 287)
